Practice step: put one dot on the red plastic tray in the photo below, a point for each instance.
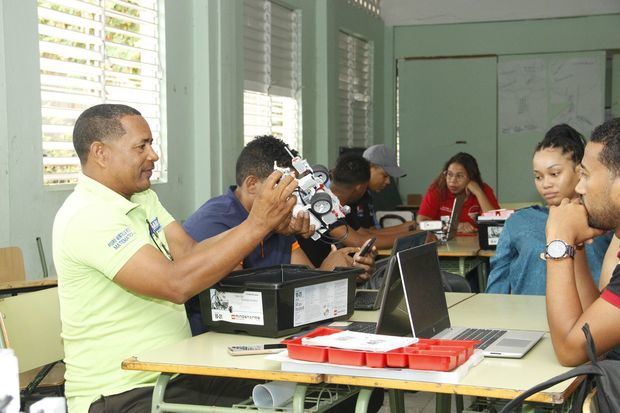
(346, 357)
(432, 360)
(426, 354)
(298, 351)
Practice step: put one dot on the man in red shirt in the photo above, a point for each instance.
(572, 297)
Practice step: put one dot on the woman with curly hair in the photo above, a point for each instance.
(459, 175)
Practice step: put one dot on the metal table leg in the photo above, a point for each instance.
(458, 400)
(158, 391)
(363, 398)
(483, 269)
(443, 402)
(299, 398)
(397, 401)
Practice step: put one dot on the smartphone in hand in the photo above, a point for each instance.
(367, 247)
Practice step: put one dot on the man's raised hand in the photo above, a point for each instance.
(274, 204)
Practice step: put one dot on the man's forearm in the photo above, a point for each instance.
(586, 288)
(396, 231)
(563, 303)
(214, 258)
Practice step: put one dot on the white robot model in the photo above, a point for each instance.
(314, 196)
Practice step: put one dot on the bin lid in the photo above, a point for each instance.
(280, 276)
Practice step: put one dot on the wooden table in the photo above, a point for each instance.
(463, 246)
(493, 377)
(486, 253)
(459, 256)
(16, 287)
(501, 311)
(206, 354)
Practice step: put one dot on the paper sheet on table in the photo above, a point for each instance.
(353, 340)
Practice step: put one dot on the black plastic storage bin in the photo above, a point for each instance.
(279, 300)
(488, 233)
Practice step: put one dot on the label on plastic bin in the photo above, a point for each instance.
(493, 234)
(320, 302)
(240, 308)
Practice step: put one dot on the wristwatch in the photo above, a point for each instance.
(557, 250)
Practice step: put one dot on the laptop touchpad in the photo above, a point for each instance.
(512, 342)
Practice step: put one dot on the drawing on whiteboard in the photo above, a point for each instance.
(522, 100)
(576, 93)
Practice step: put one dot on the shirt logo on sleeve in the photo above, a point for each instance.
(155, 226)
(121, 238)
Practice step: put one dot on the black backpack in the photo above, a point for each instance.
(604, 375)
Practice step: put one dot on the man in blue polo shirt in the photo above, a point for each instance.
(218, 215)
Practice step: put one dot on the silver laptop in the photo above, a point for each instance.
(393, 317)
(421, 278)
(453, 224)
(369, 298)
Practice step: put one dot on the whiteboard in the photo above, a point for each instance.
(536, 92)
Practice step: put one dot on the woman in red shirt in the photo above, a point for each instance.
(460, 174)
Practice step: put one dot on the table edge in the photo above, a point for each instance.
(465, 390)
(133, 363)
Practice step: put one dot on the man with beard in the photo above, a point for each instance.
(572, 297)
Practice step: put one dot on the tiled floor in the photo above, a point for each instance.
(420, 403)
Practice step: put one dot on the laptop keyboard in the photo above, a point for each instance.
(486, 337)
(362, 327)
(365, 298)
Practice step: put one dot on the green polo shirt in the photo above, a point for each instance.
(96, 231)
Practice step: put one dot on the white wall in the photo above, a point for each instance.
(4, 149)
(412, 12)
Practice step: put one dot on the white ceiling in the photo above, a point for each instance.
(413, 12)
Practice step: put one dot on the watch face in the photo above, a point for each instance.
(556, 249)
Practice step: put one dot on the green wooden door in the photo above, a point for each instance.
(446, 106)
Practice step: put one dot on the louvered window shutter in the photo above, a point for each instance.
(271, 98)
(355, 91)
(92, 52)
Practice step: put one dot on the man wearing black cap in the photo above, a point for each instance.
(350, 180)
(383, 165)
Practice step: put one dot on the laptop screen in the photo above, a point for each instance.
(409, 241)
(394, 317)
(423, 289)
(459, 200)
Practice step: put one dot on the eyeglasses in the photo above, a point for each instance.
(158, 242)
(456, 177)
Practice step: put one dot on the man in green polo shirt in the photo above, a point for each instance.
(125, 267)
